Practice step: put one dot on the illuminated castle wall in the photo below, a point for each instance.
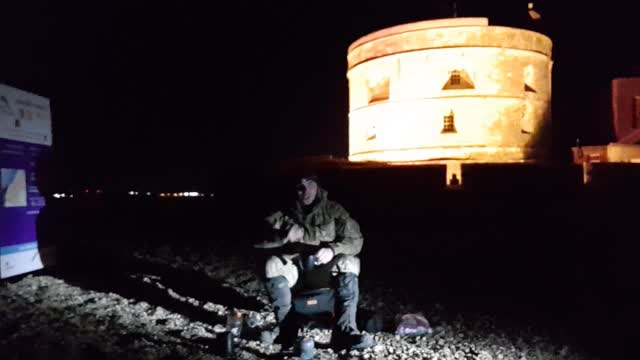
(450, 89)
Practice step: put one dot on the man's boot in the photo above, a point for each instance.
(286, 330)
(345, 334)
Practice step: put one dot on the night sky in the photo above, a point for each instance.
(173, 93)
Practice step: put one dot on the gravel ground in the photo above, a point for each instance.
(148, 314)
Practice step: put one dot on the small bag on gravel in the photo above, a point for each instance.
(412, 325)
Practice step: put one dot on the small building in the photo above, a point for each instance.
(625, 99)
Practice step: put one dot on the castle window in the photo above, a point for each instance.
(449, 125)
(378, 91)
(458, 80)
(528, 75)
(371, 133)
(455, 78)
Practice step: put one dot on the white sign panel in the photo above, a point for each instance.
(25, 136)
(24, 116)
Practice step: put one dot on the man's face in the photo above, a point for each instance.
(307, 191)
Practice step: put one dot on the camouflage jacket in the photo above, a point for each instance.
(326, 224)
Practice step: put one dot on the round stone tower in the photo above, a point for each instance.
(451, 89)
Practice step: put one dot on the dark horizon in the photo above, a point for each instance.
(174, 93)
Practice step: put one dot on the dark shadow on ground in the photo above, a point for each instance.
(124, 277)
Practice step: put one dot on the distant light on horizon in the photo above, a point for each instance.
(193, 194)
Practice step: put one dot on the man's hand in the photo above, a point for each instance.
(296, 233)
(324, 255)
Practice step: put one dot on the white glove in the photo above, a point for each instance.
(296, 233)
(324, 255)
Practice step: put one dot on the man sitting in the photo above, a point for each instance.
(321, 230)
